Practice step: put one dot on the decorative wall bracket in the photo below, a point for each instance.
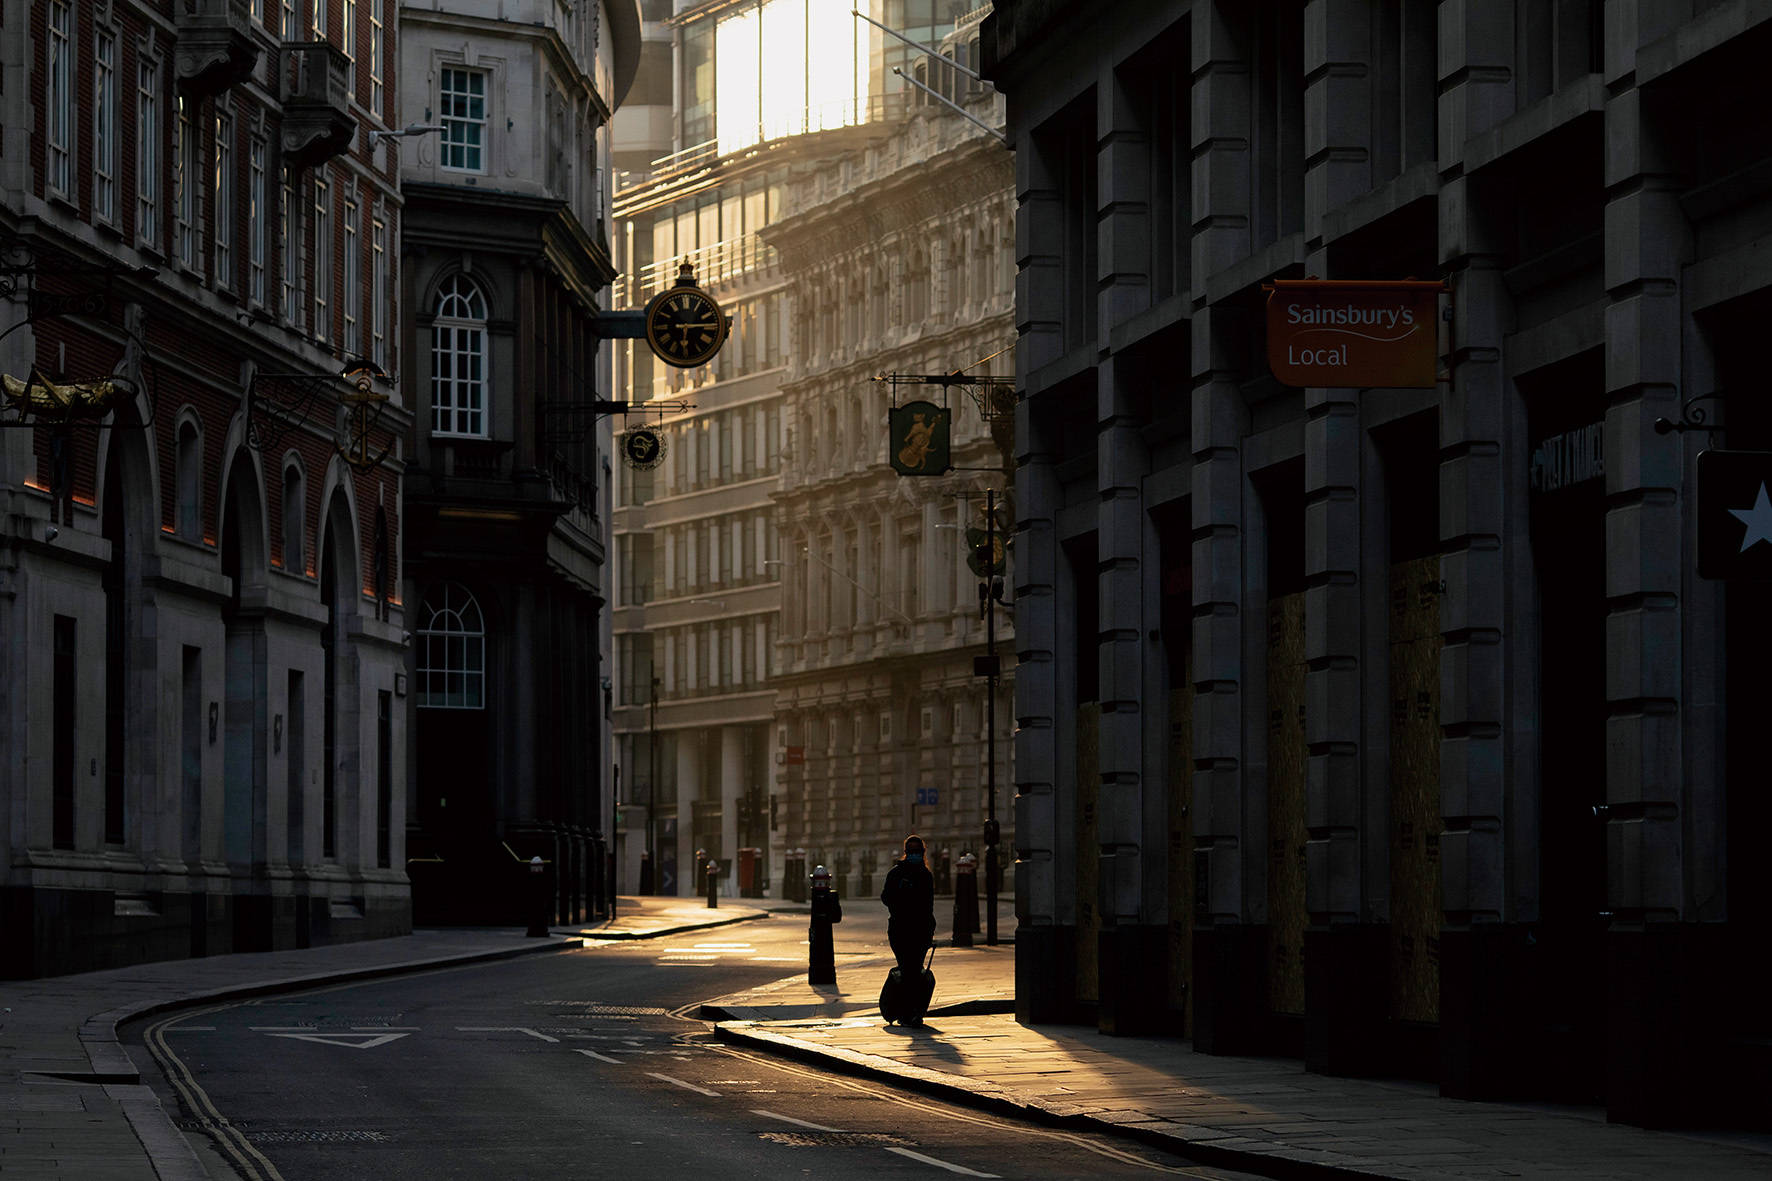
(1693, 417)
(566, 422)
(277, 403)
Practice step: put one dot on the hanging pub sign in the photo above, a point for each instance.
(1734, 514)
(917, 439)
(1364, 334)
(643, 449)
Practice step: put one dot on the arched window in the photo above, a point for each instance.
(452, 652)
(294, 521)
(379, 563)
(189, 523)
(458, 359)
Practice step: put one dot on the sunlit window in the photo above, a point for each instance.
(780, 68)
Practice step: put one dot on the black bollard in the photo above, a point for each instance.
(827, 908)
(539, 909)
(713, 872)
(965, 900)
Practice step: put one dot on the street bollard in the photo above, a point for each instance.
(539, 900)
(713, 872)
(827, 908)
(965, 900)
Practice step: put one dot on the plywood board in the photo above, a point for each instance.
(1181, 853)
(1285, 804)
(1088, 837)
(1415, 823)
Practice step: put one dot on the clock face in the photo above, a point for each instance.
(684, 326)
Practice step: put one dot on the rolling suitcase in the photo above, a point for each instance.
(907, 1002)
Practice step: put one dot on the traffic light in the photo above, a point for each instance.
(984, 552)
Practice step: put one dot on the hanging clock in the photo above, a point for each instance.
(685, 326)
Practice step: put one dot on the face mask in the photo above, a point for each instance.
(915, 858)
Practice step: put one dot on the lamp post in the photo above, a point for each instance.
(989, 592)
(652, 789)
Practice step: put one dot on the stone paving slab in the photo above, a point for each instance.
(1267, 1116)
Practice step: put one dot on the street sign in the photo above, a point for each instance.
(643, 449)
(1360, 334)
(1735, 514)
(917, 439)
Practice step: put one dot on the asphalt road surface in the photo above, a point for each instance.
(587, 1064)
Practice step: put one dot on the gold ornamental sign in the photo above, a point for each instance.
(1363, 334)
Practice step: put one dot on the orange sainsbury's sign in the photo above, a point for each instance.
(1364, 334)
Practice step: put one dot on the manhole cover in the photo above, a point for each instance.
(835, 1139)
(317, 1136)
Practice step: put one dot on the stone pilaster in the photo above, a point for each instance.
(1045, 680)
(1647, 244)
(1479, 527)
(1229, 867)
(1344, 979)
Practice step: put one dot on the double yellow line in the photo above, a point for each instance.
(233, 1142)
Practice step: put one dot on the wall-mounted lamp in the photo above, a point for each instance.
(214, 716)
(277, 734)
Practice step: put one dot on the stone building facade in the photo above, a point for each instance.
(1405, 747)
(698, 539)
(508, 268)
(899, 260)
(201, 742)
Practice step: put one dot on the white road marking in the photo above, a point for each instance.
(601, 1057)
(677, 1082)
(363, 1041)
(788, 1119)
(189, 1029)
(940, 1164)
(505, 1029)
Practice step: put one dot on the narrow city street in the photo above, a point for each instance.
(586, 1064)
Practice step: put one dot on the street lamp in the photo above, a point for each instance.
(406, 132)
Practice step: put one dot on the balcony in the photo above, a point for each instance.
(215, 45)
(317, 123)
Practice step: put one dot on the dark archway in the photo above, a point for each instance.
(340, 737)
(245, 720)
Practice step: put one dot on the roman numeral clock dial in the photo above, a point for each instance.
(685, 326)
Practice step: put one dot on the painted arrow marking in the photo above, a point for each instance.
(351, 1041)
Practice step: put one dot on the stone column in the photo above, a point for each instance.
(1345, 982)
(1227, 948)
(1134, 936)
(1652, 1033)
(1484, 538)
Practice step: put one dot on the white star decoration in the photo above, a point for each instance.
(1758, 520)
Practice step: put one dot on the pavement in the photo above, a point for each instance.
(1261, 1115)
(73, 1106)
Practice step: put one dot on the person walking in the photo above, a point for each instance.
(909, 896)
